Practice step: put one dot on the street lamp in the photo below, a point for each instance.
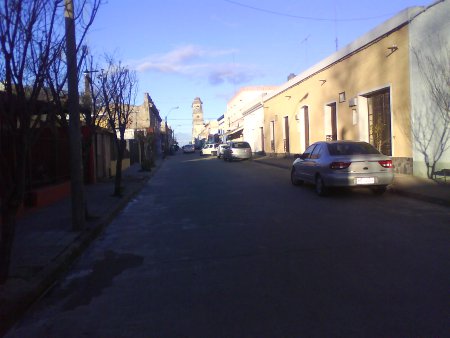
(173, 108)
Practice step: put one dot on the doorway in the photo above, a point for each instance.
(306, 122)
(262, 139)
(272, 136)
(379, 115)
(286, 134)
(331, 122)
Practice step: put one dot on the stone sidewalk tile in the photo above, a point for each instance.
(45, 247)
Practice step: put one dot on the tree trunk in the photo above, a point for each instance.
(118, 178)
(432, 170)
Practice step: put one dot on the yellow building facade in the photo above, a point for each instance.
(359, 93)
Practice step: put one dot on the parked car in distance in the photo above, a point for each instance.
(188, 149)
(220, 149)
(209, 149)
(343, 164)
(237, 150)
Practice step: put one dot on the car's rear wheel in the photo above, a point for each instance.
(379, 190)
(321, 189)
(294, 180)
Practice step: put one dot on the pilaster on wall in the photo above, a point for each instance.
(403, 165)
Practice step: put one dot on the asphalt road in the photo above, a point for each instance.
(218, 249)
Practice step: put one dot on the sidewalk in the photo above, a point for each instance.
(45, 247)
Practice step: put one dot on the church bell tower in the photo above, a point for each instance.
(197, 118)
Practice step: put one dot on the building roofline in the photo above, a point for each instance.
(252, 89)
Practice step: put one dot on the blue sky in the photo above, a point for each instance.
(182, 49)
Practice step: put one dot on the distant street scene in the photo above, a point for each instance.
(231, 168)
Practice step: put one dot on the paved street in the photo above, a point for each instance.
(218, 249)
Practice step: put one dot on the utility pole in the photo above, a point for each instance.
(76, 163)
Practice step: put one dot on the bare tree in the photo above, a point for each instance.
(91, 106)
(431, 121)
(119, 89)
(31, 44)
(378, 136)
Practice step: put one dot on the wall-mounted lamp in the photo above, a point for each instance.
(353, 102)
(323, 82)
(342, 97)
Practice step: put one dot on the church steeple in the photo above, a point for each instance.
(197, 117)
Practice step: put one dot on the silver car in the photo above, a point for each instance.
(343, 164)
(220, 149)
(237, 150)
(188, 149)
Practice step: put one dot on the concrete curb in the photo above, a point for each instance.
(21, 298)
(282, 166)
(420, 197)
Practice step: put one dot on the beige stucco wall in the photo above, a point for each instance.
(430, 38)
(366, 71)
(244, 99)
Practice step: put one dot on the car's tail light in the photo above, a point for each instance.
(386, 163)
(340, 165)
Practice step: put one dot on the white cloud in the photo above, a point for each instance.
(198, 62)
(232, 74)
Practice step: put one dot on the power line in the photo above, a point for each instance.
(311, 18)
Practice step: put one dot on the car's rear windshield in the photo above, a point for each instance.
(241, 145)
(354, 148)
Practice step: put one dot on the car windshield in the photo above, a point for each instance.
(354, 148)
(241, 145)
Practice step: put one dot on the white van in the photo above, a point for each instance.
(209, 149)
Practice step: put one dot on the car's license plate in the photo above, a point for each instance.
(365, 180)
